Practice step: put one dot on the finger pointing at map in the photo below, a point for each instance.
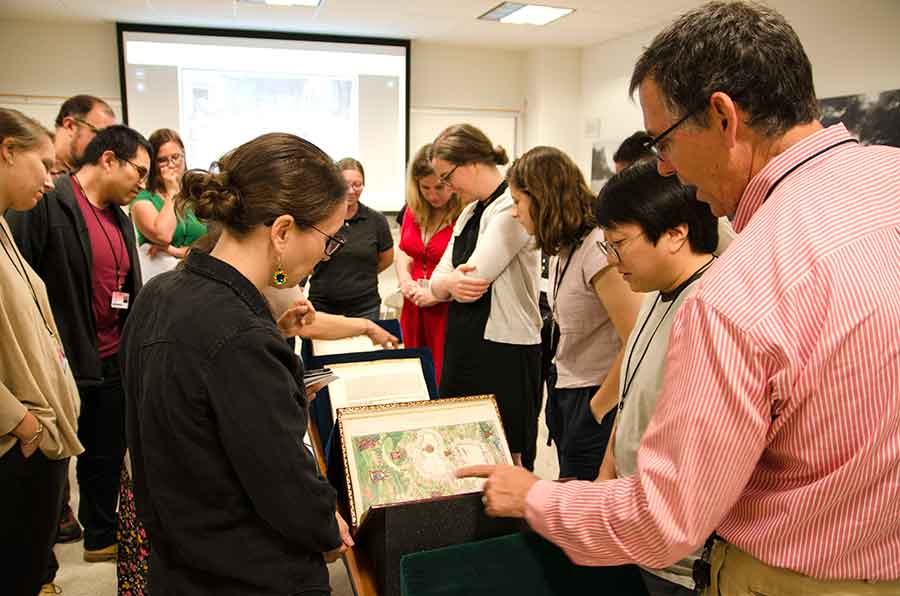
(505, 489)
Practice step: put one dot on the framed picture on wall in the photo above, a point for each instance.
(400, 453)
(873, 118)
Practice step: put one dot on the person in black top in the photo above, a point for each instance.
(228, 492)
(348, 284)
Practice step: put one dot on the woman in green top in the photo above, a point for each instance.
(163, 236)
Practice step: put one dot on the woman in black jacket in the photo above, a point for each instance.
(228, 492)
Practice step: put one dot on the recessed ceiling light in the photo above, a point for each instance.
(525, 14)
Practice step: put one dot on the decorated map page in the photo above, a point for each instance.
(377, 382)
(409, 452)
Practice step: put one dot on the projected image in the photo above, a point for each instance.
(219, 91)
(225, 109)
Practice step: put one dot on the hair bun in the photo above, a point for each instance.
(500, 157)
(211, 196)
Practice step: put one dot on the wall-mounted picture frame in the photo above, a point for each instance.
(401, 453)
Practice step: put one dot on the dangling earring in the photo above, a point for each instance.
(280, 276)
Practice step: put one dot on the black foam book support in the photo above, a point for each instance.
(390, 531)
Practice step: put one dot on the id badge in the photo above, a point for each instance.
(119, 300)
(61, 355)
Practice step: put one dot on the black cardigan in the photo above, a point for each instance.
(53, 238)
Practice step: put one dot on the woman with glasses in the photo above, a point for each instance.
(432, 208)
(489, 275)
(661, 239)
(348, 283)
(162, 235)
(228, 493)
(593, 309)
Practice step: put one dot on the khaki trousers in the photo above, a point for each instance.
(735, 573)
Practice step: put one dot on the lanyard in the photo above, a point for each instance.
(803, 162)
(24, 275)
(670, 297)
(119, 280)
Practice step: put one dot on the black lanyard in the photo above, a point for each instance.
(119, 280)
(557, 282)
(24, 275)
(803, 162)
(670, 298)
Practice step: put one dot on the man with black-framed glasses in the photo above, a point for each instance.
(79, 120)
(82, 244)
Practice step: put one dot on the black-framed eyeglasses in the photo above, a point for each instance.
(333, 244)
(611, 250)
(142, 172)
(653, 144)
(445, 178)
(90, 126)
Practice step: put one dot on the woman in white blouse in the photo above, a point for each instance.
(489, 274)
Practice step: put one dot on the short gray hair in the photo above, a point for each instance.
(745, 50)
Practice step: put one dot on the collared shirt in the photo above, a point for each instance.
(779, 421)
(347, 283)
(216, 414)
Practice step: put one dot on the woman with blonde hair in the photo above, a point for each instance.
(593, 308)
(489, 274)
(39, 401)
(432, 209)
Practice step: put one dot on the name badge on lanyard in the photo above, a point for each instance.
(119, 300)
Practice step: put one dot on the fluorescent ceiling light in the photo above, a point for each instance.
(525, 14)
(288, 2)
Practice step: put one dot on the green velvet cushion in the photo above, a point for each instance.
(518, 564)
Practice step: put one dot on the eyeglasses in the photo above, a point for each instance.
(333, 244)
(170, 160)
(653, 144)
(445, 178)
(90, 126)
(611, 249)
(142, 172)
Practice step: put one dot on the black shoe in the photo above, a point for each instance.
(69, 528)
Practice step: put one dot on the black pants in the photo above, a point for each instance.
(580, 440)
(30, 503)
(101, 429)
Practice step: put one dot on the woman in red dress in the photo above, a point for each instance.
(432, 208)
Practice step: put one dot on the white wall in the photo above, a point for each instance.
(553, 80)
(854, 47)
(44, 63)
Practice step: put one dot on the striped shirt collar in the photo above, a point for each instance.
(755, 193)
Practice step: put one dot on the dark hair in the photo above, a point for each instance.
(78, 107)
(157, 140)
(634, 149)
(560, 198)
(119, 139)
(22, 131)
(747, 51)
(274, 174)
(640, 195)
(464, 143)
(348, 163)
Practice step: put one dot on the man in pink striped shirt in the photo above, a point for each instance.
(778, 427)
